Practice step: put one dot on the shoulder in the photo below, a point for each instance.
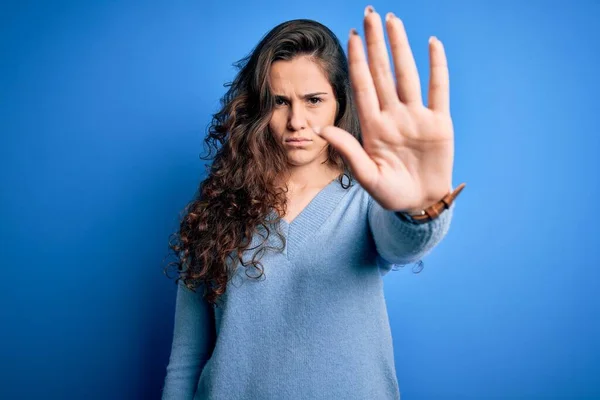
(356, 192)
(353, 198)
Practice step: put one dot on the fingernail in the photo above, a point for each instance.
(368, 10)
(432, 39)
(389, 16)
(353, 32)
(317, 129)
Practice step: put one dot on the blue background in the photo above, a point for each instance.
(103, 108)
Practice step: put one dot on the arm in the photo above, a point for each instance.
(193, 341)
(401, 242)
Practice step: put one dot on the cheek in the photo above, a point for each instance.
(275, 128)
(325, 115)
(319, 142)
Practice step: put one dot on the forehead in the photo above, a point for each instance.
(300, 74)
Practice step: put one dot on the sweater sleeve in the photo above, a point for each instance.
(401, 242)
(193, 342)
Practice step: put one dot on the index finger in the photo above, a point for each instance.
(365, 96)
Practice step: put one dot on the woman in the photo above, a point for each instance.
(300, 314)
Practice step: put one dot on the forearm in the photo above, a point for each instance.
(193, 341)
(402, 242)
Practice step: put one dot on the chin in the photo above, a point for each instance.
(299, 161)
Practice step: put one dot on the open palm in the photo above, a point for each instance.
(406, 159)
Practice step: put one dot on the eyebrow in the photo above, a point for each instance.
(306, 96)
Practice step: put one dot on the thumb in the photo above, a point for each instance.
(362, 166)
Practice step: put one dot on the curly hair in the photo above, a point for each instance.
(239, 191)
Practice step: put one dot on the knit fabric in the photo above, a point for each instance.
(315, 326)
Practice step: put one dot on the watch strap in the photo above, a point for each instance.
(434, 211)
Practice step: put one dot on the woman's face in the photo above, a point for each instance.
(304, 99)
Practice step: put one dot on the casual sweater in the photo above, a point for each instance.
(315, 326)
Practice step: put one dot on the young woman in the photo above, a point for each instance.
(323, 170)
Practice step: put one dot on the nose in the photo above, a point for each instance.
(296, 118)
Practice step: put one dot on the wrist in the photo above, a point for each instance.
(417, 210)
(430, 212)
(424, 206)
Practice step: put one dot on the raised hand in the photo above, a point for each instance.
(407, 156)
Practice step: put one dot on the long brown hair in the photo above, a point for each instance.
(239, 192)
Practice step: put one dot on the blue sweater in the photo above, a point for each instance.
(316, 325)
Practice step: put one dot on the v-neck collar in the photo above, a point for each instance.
(310, 219)
(306, 208)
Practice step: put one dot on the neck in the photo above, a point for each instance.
(310, 176)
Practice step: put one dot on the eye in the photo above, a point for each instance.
(279, 101)
(315, 100)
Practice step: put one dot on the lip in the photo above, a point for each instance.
(298, 143)
(298, 139)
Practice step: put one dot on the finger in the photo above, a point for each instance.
(365, 95)
(407, 75)
(379, 62)
(439, 80)
(363, 167)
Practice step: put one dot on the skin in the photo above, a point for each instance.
(304, 98)
(406, 160)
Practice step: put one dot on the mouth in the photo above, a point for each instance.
(298, 140)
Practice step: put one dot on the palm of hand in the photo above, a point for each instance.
(406, 159)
